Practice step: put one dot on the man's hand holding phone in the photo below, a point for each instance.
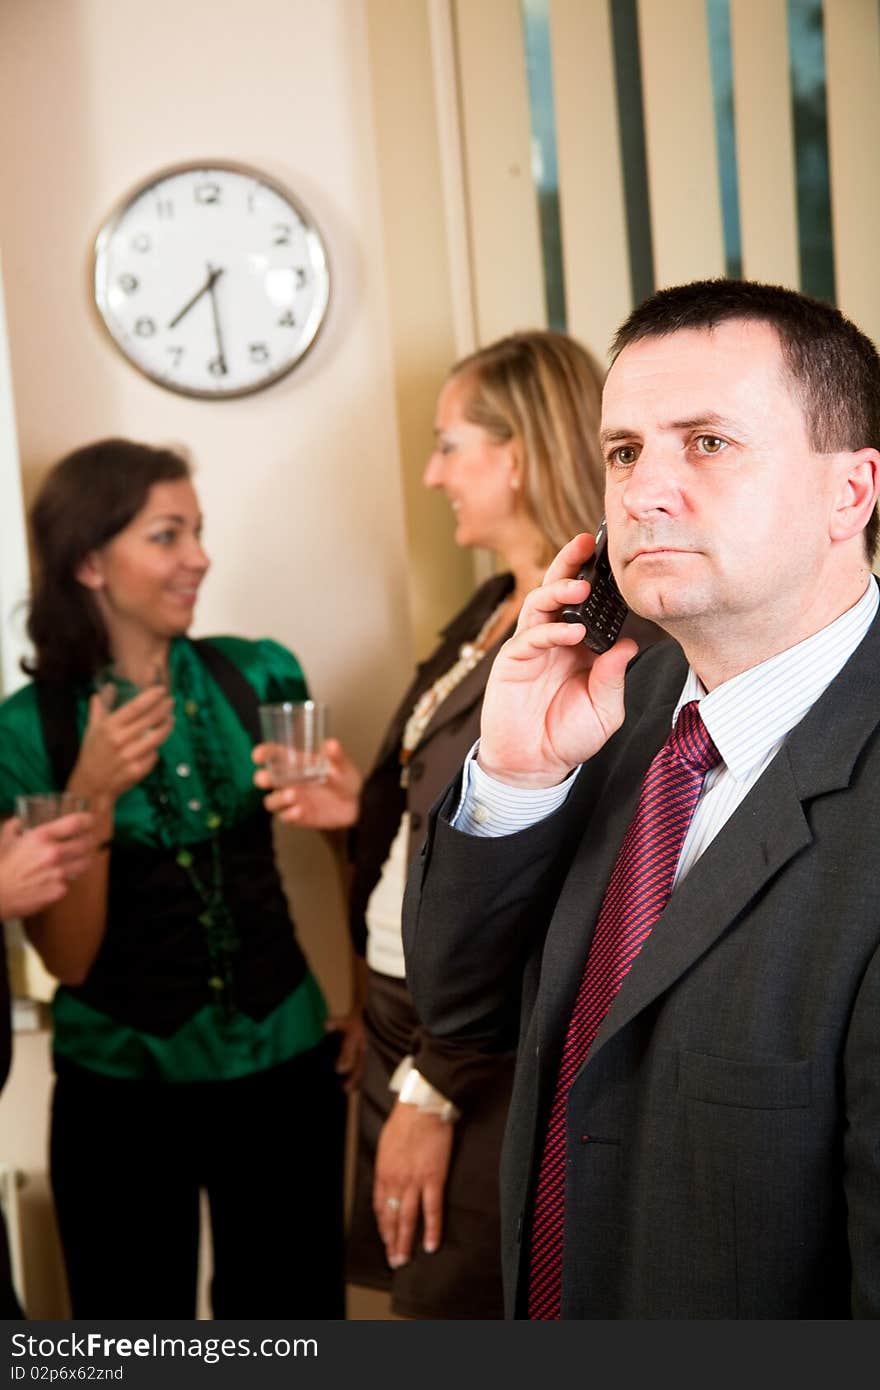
(550, 702)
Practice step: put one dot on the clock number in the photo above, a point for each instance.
(145, 328)
(217, 366)
(282, 235)
(176, 355)
(128, 283)
(259, 352)
(207, 192)
(164, 209)
(287, 320)
(300, 276)
(141, 242)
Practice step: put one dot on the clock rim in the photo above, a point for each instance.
(314, 238)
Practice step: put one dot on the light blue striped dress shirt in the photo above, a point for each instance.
(748, 717)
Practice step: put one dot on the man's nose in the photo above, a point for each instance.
(652, 484)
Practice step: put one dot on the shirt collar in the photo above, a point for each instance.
(747, 715)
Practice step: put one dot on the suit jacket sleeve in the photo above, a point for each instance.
(473, 912)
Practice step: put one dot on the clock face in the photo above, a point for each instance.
(211, 279)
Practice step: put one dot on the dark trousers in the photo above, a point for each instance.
(128, 1159)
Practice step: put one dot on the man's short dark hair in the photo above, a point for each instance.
(834, 367)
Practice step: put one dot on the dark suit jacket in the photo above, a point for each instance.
(724, 1133)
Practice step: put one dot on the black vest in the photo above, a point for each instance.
(153, 969)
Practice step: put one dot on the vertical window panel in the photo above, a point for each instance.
(721, 68)
(539, 71)
(680, 138)
(764, 141)
(505, 240)
(807, 55)
(631, 117)
(598, 291)
(852, 45)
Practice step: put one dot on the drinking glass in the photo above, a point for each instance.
(294, 733)
(39, 809)
(116, 689)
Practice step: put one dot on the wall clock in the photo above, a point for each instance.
(212, 279)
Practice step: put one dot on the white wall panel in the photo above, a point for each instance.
(594, 241)
(506, 258)
(680, 140)
(852, 58)
(764, 141)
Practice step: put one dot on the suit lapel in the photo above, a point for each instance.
(762, 835)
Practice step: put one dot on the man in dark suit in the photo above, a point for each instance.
(662, 880)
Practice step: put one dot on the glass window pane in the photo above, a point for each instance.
(718, 15)
(631, 121)
(539, 70)
(806, 40)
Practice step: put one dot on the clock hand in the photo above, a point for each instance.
(221, 355)
(204, 289)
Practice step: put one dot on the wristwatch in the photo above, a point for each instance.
(413, 1089)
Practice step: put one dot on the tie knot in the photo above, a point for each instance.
(690, 741)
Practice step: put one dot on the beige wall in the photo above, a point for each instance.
(303, 483)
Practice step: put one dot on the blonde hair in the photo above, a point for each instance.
(544, 389)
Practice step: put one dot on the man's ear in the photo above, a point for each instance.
(90, 572)
(859, 485)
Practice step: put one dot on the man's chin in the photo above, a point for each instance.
(661, 604)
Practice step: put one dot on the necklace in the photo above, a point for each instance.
(215, 919)
(470, 654)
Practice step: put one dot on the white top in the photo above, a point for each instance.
(385, 906)
(384, 940)
(748, 718)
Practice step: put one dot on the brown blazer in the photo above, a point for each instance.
(437, 758)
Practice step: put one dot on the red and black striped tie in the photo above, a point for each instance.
(637, 893)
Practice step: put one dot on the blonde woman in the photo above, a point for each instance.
(516, 453)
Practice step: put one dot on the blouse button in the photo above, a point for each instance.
(183, 769)
(191, 707)
(194, 805)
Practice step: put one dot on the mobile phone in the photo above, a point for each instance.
(603, 610)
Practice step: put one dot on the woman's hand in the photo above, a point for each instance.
(412, 1163)
(38, 866)
(327, 805)
(120, 746)
(352, 1039)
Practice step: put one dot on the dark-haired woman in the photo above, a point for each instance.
(190, 1043)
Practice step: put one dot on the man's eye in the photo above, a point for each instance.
(710, 444)
(624, 456)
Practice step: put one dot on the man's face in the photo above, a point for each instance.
(717, 506)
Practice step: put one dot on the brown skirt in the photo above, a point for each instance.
(463, 1278)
